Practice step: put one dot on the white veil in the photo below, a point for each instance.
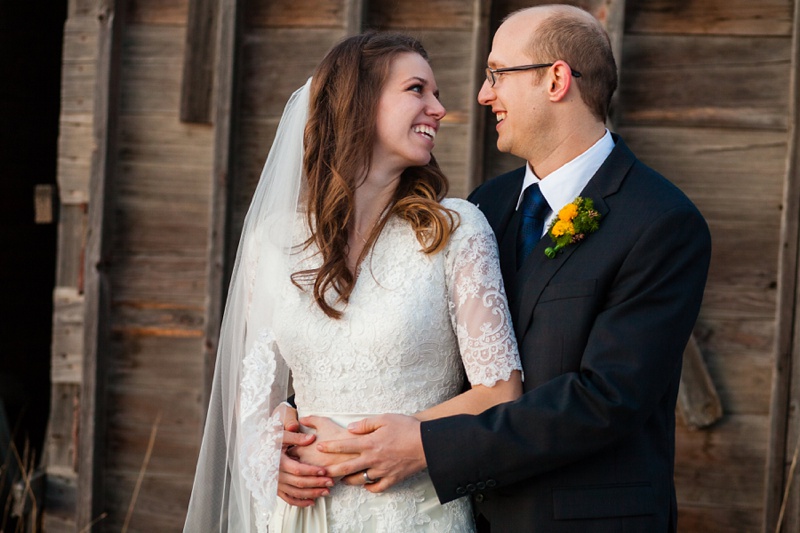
(235, 486)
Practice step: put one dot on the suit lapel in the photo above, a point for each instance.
(500, 207)
(538, 269)
(498, 201)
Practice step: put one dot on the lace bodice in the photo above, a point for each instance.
(396, 347)
(415, 325)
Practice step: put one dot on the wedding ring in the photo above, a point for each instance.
(367, 480)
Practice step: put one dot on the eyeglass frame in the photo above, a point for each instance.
(490, 72)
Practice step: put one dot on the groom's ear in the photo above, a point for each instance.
(560, 81)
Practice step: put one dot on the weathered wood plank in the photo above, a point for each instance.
(354, 11)
(710, 17)
(68, 341)
(153, 44)
(161, 505)
(157, 12)
(452, 63)
(739, 336)
(724, 466)
(717, 519)
(198, 63)
(174, 453)
(476, 140)
(61, 443)
(81, 8)
(159, 279)
(60, 499)
(71, 241)
(74, 158)
(784, 431)
(146, 320)
(275, 62)
(451, 144)
(715, 167)
(312, 14)
(739, 357)
(714, 89)
(738, 303)
(80, 38)
(151, 87)
(77, 86)
(148, 140)
(227, 110)
(160, 362)
(97, 308)
(440, 14)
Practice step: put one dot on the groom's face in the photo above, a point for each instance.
(518, 99)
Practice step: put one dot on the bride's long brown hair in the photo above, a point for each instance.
(339, 138)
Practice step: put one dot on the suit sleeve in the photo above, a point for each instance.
(629, 368)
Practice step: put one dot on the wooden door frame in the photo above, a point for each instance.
(97, 303)
(784, 422)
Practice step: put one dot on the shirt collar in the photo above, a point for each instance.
(565, 183)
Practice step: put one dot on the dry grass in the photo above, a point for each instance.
(16, 480)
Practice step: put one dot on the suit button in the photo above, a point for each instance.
(470, 487)
(461, 491)
(491, 483)
(479, 498)
(481, 485)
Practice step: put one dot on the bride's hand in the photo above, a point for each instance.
(298, 484)
(326, 429)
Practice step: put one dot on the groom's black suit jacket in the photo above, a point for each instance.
(590, 445)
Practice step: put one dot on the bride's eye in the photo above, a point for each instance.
(417, 88)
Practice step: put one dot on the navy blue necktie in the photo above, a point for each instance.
(533, 212)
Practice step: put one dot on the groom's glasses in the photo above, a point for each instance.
(491, 73)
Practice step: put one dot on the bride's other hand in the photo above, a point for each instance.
(298, 484)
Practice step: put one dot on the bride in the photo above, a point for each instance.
(356, 277)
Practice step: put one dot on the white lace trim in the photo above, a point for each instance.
(260, 434)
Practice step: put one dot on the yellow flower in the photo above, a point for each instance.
(568, 212)
(562, 227)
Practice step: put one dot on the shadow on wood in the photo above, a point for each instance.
(698, 401)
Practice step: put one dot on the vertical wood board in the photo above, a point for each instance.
(785, 428)
(97, 296)
(198, 63)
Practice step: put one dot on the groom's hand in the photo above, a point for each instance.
(389, 449)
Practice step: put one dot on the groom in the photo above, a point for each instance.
(601, 325)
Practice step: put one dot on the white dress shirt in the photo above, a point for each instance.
(564, 184)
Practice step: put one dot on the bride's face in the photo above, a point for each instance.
(408, 117)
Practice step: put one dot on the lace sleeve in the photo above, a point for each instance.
(261, 389)
(478, 304)
(261, 429)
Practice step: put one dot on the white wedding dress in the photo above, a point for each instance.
(414, 325)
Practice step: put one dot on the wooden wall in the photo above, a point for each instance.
(705, 97)
(695, 105)
(156, 271)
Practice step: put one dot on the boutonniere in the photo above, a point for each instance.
(574, 222)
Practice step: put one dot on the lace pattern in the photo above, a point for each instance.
(414, 507)
(479, 309)
(260, 433)
(413, 324)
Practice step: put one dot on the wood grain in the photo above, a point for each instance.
(705, 81)
(710, 17)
